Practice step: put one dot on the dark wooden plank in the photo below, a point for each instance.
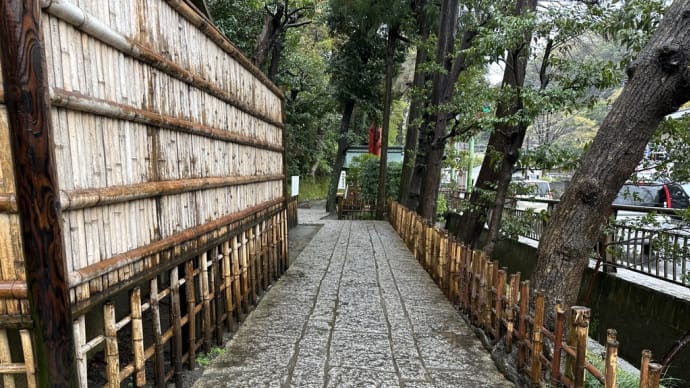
(26, 96)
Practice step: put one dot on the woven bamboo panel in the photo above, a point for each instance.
(143, 99)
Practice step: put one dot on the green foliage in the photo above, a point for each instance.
(240, 21)
(205, 359)
(363, 177)
(316, 188)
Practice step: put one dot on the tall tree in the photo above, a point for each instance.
(658, 83)
(356, 69)
(424, 24)
(505, 140)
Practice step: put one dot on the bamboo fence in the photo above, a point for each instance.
(498, 303)
(292, 217)
(168, 150)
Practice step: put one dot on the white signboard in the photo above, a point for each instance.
(342, 184)
(294, 185)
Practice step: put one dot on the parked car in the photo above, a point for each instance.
(668, 195)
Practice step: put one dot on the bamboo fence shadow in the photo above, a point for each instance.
(498, 303)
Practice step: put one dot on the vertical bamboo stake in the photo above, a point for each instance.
(274, 248)
(112, 356)
(175, 318)
(510, 312)
(284, 243)
(654, 375)
(243, 266)
(644, 368)
(611, 358)
(442, 260)
(557, 344)
(28, 358)
(6, 358)
(217, 296)
(206, 325)
(227, 280)
(263, 253)
(252, 264)
(580, 326)
(259, 262)
(79, 341)
(159, 361)
(522, 324)
(191, 312)
(236, 277)
(535, 375)
(500, 289)
(137, 338)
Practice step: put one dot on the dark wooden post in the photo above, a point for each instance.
(26, 95)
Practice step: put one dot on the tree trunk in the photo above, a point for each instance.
(340, 155)
(425, 178)
(416, 105)
(506, 140)
(269, 33)
(387, 98)
(276, 54)
(659, 82)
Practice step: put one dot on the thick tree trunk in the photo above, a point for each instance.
(416, 105)
(340, 155)
(270, 31)
(658, 84)
(276, 54)
(505, 140)
(387, 99)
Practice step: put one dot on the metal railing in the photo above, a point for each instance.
(661, 251)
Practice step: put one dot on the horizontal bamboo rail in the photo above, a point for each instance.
(81, 20)
(86, 198)
(8, 203)
(482, 291)
(82, 103)
(13, 289)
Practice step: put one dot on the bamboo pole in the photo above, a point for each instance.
(252, 264)
(537, 342)
(175, 319)
(6, 358)
(244, 271)
(227, 280)
(112, 356)
(137, 338)
(79, 328)
(644, 368)
(236, 277)
(258, 251)
(580, 327)
(500, 289)
(88, 198)
(274, 250)
(25, 84)
(522, 323)
(29, 362)
(654, 375)
(510, 311)
(159, 360)
(558, 344)
(191, 312)
(217, 296)
(611, 358)
(207, 325)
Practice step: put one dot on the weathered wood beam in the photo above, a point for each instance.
(26, 95)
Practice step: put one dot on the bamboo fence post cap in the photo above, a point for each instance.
(581, 315)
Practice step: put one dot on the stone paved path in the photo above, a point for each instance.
(355, 309)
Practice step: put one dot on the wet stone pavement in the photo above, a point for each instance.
(355, 309)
